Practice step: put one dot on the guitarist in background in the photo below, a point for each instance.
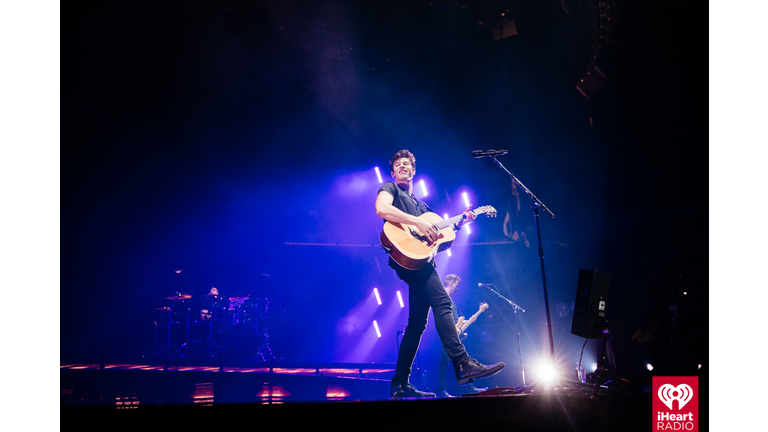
(451, 284)
(396, 203)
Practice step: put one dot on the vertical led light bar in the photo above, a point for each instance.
(445, 217)
(423, 188)
(378, 174)
(378, 299)
(376, 326)
(400, 298)
(466, 203)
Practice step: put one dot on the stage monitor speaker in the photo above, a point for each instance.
(589, 310)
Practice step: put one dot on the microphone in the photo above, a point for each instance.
(482, 285)
(491, 152)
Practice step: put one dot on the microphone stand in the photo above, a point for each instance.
(535, 206)
(516, 308)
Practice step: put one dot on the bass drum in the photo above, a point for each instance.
(242, 343)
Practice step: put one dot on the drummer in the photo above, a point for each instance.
(209, 303)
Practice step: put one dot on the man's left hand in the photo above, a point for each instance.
(468, 217)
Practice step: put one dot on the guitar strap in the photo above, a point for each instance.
(421, 206)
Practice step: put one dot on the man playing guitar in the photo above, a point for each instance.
(396, 203)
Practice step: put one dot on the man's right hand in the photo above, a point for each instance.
(427, 229)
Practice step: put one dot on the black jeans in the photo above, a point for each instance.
(425, 290)
(441, 380)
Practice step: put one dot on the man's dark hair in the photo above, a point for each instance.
(402, 154)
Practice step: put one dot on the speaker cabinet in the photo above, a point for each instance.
(589, 312)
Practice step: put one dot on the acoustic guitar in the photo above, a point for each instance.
(410, 248)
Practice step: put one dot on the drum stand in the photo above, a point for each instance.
(169, 343)
(154, 345)
(265, 352)
(210, 343)
(183, 345)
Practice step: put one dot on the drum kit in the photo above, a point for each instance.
(208, 326)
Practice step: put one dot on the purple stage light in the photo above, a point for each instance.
(423, 188)
(376, 326)
(466, 198)
(378, 299)
(400, 298)
(378, 174)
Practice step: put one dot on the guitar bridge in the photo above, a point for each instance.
(418, 236)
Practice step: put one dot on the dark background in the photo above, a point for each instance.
(236, 140)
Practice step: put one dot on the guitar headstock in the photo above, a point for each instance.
(483, 307)
(487, 210)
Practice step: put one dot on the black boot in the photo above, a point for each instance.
(471, 369)
(408, 391)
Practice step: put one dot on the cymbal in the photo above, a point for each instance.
(179, 296)
(245, 297)
(163, 308)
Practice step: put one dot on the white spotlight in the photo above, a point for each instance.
(547, 373)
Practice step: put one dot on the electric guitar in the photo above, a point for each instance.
(462, 324)
(410, 248)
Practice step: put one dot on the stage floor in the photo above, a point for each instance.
(351, 396)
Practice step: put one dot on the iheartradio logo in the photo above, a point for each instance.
(680, 416)
(669, 393)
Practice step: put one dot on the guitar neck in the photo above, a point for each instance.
(453, 220)
(471, 320)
